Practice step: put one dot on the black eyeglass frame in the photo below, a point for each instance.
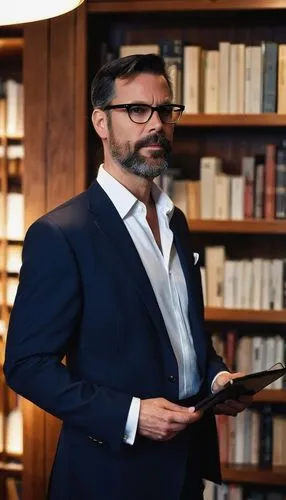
(159, 108)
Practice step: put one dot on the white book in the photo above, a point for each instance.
(179, 195)
(228, 284)
(14, 258)
(255, 437)
(233, 88)
(240, 54)
(238, 283)
(257, 284)
(244, 354)
(239, 438)
(224, 76)
(247, 78)
(222, 196)
(209, 168)
(256, 79)
(2, 216)
(258, 353)
(277, 284)
(279, 358)
(237, 197)
(214, 259)
(211, 82)
(247, 286)
(191, 78)
(14, 432)
(11, 108)
(266, 283)
(270, 354)
(281, 86)
(130, 50)
(11, 290)
(15, 216)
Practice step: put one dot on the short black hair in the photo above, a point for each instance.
(102, 86)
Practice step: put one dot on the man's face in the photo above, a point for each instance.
(143, 149)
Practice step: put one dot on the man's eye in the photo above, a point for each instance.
(138, 110)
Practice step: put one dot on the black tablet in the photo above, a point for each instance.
(241, 386)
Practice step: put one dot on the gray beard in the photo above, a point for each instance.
(141, 166)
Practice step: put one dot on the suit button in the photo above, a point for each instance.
(172, 379)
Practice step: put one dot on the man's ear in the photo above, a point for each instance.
(99, 120)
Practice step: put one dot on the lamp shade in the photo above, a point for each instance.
(26, 11)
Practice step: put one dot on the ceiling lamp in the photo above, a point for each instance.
(26, 11)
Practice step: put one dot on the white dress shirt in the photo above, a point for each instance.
(166, 277)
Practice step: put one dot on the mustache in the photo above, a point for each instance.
(158, 139)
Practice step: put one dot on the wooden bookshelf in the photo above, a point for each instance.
(217, 120)
(244, 316)
(183, 5)
(247, 226)
(275, 476)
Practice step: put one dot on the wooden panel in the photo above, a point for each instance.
(182, 5)
(61, 117)
(54, 79)
(36, 87)
(36, 103)
(80, 119)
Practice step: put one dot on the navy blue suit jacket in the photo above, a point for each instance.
(84, 293)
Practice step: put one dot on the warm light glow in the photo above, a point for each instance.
(25, 11)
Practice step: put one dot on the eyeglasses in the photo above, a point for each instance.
(142, 113)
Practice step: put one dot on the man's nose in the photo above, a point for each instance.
(155, 122)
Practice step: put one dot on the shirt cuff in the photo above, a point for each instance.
(219, 373)
(132, 422)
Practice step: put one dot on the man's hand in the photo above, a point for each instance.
(161, 420)
(230, 407)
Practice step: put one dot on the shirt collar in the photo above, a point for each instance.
(124, 201)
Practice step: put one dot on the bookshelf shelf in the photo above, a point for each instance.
(252, 474)
(249, 226)
(11, 469)
(245, 315)
(183, 5)
(217, 120)
(270, 396)
(11, 46)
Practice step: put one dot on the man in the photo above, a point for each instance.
(108, 279)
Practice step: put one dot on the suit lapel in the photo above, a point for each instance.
(109, 222)
(181, 239)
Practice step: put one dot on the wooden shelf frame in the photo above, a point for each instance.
(11, 46)
(11, 469)
(229, 120)
(182, 5)
(244, 316)
(275, 476)
(247, 226)
(271, 396)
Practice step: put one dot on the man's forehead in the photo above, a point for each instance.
(141, 86)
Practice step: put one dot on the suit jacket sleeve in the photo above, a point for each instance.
(45, 319)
